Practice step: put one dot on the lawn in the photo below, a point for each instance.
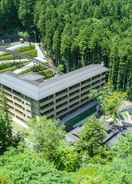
(28, 50)
(6, 56)
(11, 66)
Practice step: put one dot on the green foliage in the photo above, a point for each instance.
(60, 68)
(6, 136)
(46, 134)
(77, 33)
(47, 137)
(6, 56)
(26, 13)
(41, 69)
(48, 73)
(90, 144)
(111, 102)
(28, 50)
(89, 176)
(8, 16)
(25, 167)
(109, 99)
(118, 171)
(29, 168)
(67, 157)
(24, 35)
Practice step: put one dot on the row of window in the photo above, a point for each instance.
(87, 87)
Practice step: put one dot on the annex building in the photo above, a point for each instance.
(31, 95)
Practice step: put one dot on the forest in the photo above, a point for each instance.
(76, 33)
(41, 154)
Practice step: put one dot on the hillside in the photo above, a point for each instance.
(76, 33)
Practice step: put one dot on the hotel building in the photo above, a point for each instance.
(31, 95)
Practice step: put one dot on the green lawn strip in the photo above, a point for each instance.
(11, 66)
(4, 66)
(32, 53)
(29, 50)
(6, 56)
(8, 69)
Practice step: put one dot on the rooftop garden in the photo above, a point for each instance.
(6, 56)
(11, 66)
(28, 50)
(42, 70)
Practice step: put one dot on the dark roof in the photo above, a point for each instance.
(50, 86)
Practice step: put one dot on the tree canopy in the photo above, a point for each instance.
(76, 33)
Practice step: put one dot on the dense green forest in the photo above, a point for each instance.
(41, 154)
(76, 33)
(52, 160)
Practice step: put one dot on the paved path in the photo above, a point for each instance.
(40, 55)
(40, 58)
(25, 68)
(17, 46)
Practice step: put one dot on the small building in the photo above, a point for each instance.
(31, 95)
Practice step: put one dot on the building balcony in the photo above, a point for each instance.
(77, 88)
(76, 105)
(86, 83)
(64, 100)
(49, 114)
(74, 101)
(74, 95)
(85, 90)
(84, 95)
(65, 106)
(84, 101)
(61, 114)
(61, 95)
(46, 102)
(46, 109)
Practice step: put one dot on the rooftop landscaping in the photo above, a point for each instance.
(28, 50)
(46, 72)
(6, 56)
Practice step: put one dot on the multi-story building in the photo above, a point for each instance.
(31, 95)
